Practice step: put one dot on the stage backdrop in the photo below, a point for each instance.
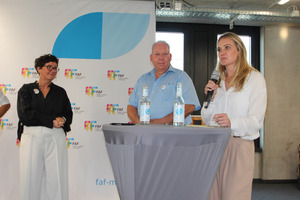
(103, 46)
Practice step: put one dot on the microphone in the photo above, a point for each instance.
(214, 77)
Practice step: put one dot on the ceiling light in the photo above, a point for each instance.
(281, 2)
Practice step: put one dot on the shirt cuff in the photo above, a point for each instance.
(234, 126)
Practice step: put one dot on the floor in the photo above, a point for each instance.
(276, 191)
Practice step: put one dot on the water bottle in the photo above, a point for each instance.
(145, 107)
(178, 107)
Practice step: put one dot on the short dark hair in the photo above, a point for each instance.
(42, 60)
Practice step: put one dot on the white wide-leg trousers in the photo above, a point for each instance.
(43, 164)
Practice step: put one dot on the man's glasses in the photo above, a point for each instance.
(50, 68)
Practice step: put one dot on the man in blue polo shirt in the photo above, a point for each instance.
(162, 82)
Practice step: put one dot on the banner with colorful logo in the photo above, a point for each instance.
(103, 47)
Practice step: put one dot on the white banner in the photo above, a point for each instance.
(103, 48)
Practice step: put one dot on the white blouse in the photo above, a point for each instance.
(245, 109)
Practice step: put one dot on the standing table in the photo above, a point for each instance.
(162, 162)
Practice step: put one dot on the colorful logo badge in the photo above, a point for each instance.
(76, 109)
(3, 87)
(114, 109)
(5, 124)
(73, 74)
(29, 72)
(110, 108)
(115, 75)
(8, 89)
(130, 90)
(25, 72)
(90, 91)
(92, 126)
(94, 91)
(18, 143)
(69, 141)
(72, 143)
(112, 74)
(69, 73)
(88, 125)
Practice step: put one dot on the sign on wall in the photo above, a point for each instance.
(103, 48)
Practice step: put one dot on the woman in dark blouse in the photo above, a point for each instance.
(45, 116)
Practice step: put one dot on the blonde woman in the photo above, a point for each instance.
(239, 102)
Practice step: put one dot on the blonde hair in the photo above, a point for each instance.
(242, 68)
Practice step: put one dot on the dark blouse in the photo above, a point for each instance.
(35, 110)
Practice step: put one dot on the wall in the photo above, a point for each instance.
(282, 134)
(97, 42)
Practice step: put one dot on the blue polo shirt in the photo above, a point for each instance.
(162, 92)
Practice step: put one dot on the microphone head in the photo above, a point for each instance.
(215, 75)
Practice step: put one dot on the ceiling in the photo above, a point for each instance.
(232, 12)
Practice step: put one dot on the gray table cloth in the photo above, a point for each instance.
(162, 162)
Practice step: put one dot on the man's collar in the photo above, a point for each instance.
(171, 68)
